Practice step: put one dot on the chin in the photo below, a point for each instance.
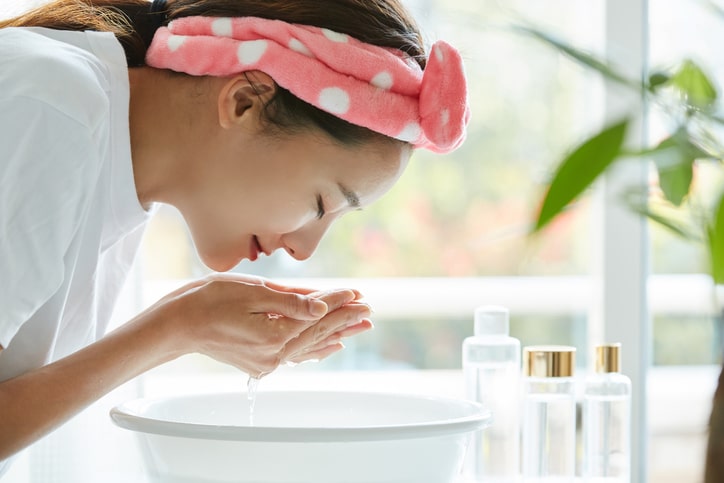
(220, 264)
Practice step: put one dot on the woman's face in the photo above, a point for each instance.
(282, 193)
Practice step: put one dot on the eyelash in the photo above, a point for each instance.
(320, 207)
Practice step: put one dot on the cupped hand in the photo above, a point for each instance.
(320, 340)
(254, 324)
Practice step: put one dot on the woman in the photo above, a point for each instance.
(261, 121)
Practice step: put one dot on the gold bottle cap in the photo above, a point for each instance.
(608, 358)
(549, 361)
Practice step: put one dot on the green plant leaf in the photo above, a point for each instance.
(671, 224)
(674, 158)
(581, 168)
(657, 80)
(694, 84)
(579, 56)
(638, 201)
(716, 243)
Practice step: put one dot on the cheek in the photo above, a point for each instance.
(278, 214)
(212, 232)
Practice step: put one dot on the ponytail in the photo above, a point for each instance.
(128, 20)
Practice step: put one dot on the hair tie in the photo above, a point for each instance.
(378, 88)
(157, 12)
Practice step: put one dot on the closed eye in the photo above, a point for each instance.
(320, 207)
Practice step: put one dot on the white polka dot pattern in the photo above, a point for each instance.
(383, 80)
(439, 54)
(175, 41)
(297, 46)
(410, 133)
(367, 85)
(222, 27)
(334, 100)
(250, 52)
(335, 36)
(444, 117)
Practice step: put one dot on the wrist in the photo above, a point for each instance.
(159, 329)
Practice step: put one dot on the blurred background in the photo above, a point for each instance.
(453, 233)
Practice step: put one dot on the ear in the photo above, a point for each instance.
(243, 96)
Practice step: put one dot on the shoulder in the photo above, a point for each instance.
(58, 69)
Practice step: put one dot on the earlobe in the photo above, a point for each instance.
(243, 94)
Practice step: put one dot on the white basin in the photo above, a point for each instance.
(303, 437)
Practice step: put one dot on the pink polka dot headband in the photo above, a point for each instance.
(366, 85)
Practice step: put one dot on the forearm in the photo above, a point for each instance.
(222, 317)
(35, 403)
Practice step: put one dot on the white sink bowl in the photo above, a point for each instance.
(303, 437)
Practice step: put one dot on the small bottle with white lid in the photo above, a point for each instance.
(549, 414)
(491, 365)
(607, 420)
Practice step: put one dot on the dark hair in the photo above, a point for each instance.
(385, 23)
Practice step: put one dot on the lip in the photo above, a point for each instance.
(261, 248)
(254, 248)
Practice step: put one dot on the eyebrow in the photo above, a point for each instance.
(351, 197)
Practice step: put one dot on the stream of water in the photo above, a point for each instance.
(251, 389)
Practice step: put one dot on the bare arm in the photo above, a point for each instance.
(224, 319)
(33, 404)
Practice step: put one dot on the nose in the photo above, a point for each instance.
(302, 243)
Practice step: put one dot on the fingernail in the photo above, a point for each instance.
(366, 305)
(317, 308)
(357, 322)
(334, 341)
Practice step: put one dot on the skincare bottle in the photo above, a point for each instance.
(491, 366)
(607, 420)
(549, 414)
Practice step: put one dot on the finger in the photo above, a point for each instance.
(350, 314)
(357, 294)
(357, 329)
(289, 305)
(237, 277)
(335, 298)
(319, 354)
(257, 280)
(347, 316)
(288, 288)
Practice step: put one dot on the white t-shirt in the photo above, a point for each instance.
(70, 219)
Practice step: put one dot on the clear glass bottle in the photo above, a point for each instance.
(549, 414)
(491, 365)
(607, 420)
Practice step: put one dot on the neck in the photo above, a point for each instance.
(163, 134)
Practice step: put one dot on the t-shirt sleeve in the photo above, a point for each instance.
(46, 168)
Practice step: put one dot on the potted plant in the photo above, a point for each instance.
(690, 100)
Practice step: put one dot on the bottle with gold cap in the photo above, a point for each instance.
(607, 420)
(549, 414)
